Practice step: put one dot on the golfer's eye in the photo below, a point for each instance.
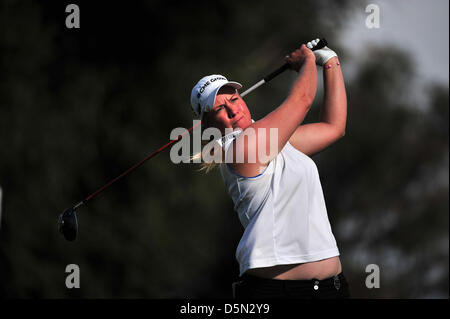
(220, 107)
(234, 99)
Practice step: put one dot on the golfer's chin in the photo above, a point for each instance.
(242, 123)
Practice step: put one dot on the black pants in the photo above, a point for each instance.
(254, 287)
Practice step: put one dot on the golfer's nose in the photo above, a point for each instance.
(231, 110)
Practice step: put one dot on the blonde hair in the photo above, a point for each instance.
(204, 166)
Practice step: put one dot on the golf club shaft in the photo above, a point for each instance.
(266, 79)
(257, 85)
(131, 169)
(280, 70)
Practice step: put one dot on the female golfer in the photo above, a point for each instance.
(288, 249)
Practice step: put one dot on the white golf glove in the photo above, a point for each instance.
(322, 55)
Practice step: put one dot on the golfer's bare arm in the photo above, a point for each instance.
(285, 119)
(313, 138)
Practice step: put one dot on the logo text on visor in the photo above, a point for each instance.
(202, 89)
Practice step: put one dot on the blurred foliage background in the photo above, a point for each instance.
(79, 106)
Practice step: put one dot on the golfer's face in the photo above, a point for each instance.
(229, 111)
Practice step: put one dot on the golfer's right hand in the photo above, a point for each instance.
(296, 58)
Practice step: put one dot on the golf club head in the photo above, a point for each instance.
(68, 224)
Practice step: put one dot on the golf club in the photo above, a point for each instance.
(67, 221)
(280, 70)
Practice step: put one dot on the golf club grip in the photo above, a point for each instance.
(286, 66)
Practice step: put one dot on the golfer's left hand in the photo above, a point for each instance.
(322, 55)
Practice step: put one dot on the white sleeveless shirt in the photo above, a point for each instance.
(283, 212)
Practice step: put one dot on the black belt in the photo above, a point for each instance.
(335, 281)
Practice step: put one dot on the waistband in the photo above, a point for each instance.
(335, 281)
